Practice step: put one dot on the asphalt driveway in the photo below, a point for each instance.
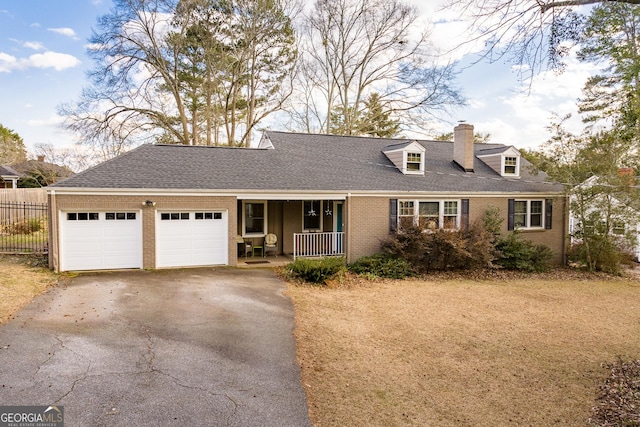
(196, 347)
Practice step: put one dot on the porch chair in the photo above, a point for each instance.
(243, 245)
(270, 244)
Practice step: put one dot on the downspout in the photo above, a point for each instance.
(53, 234)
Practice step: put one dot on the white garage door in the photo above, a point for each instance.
(191, 238)
(100, 240)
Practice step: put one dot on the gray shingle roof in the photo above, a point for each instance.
(8, 171)
(299, 162)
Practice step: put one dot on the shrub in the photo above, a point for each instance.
(603, 254)
(442, 249)
(26, 226)
(516, 253)
(316, 270)
(381, 265)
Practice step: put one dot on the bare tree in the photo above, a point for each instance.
(530, 32)
(353, 48)
(179, 71)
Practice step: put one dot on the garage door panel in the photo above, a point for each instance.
(99, 243)
(191, 238)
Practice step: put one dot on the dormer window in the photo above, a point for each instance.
(510, 165)
(408, 157)
(414, 162)
(504, 160)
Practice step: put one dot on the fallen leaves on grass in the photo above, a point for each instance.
(618, 402)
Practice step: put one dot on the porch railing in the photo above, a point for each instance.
(318, 244)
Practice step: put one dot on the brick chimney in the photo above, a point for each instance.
(41, 158)
(463, 153)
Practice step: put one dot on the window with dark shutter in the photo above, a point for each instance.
(511, 214)
(393, 215)
(464, 213)
(548, 214)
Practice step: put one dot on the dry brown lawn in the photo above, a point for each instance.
(20, 283)
(459, 352)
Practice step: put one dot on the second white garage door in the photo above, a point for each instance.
(191, 238)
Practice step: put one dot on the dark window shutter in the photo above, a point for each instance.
(511, 214)
(548, 214)
(393, 215)
(464, 214)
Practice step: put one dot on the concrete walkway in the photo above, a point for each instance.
(196, 347)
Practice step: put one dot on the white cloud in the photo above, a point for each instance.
(35, 25)
(7, 62)
(57, 61)
(33, 45)
(65, 31)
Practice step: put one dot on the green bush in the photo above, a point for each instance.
(516, 253)
(603, 254)
(381, 265)
(316, 270)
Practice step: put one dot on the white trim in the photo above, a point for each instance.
(265, 223)
(503, 165)
(528, 214)
(297, 195)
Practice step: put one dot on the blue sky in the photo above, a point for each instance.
(43, 64)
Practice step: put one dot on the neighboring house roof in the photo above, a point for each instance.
(300, 162)
(8, 171)
(50, 172)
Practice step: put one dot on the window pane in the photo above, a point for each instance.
(83, 216)
(413, 161)
(121, 215)
(312, 214)
(93, 216)
(429, 215)
(184, 215)
(175, 216)
(406, 221)
(429, 208)
(72, 216)
(131, 215)
(451, 208)
(216, 215)
(199, 215)
(450, 219)
(536, 213)
(406, 208)
(520, 207)
(254, 217)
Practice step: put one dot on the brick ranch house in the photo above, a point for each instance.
(174, 206)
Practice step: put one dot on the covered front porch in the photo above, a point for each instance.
(302, 227)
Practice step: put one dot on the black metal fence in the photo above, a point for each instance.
(23, 228)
